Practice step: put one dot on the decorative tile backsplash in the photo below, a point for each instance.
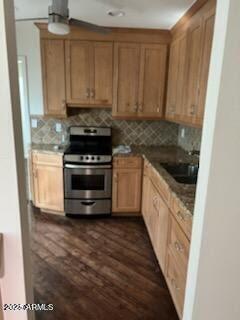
(192, 139)
(124, 132)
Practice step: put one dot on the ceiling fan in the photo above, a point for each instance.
(59, 22)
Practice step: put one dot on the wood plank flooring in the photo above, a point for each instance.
(97, 269)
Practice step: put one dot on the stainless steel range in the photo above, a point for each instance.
(88, 171)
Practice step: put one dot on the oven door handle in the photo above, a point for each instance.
(75, 166)
(88, 203)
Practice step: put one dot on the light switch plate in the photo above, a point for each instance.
(58, 127)
(34, 123)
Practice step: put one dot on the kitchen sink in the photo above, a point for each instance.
(185, 173)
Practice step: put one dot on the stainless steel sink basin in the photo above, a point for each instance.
(182, 172)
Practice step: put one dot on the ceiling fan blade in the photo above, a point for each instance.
(32, 19)
(90, 26)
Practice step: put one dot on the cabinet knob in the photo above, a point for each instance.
(158, 110)
(174, 284)
(178, 246)
(88, 93)
(115, 177)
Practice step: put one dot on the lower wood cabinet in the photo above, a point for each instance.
(47, 181)
(169, 229)
(127, 181)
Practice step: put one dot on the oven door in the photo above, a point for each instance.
(88, 182)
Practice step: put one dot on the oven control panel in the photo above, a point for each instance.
(87, 158)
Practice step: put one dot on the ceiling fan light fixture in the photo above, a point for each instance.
(58, 25)
(58, 28)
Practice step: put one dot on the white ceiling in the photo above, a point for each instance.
(162, 14)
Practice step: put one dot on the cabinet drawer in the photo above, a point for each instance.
(161, 186)
(47, 159)
(183, 218)
(179, 246)
(176, 283)
(127, 162)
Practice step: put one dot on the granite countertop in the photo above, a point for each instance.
(183, 193)
(48, 148)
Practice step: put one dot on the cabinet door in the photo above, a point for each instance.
(102, 74)
(152, 80)
(162, 232)
(172, 80)
(53, 70)
(48, 187)
(126, 190)
(78, 68)
(208, 28)
(176, 79)
(126, 80)
(194, 49)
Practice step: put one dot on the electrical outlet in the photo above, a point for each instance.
(58, 127)
(34, 123)
(183, 133)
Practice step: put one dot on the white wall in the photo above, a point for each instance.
(214, 267)
(15, 282)
(28, 44)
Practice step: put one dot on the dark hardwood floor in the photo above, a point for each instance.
(97, 269)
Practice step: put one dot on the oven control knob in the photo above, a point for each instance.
(87, 158)
(93, 158)
(98, 158)
(81, 158)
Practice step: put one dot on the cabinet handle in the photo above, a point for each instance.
(88, 93)
(158, 110)
(180, 215)
(136, 107)
(174, 284)
(140, 107)
(178, 246)
(115, 177)
(63, 104)
(193, 110)
(92, 93)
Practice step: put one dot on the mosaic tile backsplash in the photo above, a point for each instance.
(192, 139)
(152, 133)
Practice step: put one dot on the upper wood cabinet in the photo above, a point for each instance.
(188, 69)
(176, 78)
(208, 27)
(53, 71)
(139, 80)
(89, 73)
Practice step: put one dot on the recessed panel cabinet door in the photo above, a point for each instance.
(102, 74)
(126, 190)
(192, 89)
(53, 70)
(78, 68)
(48, 187)
(152, 80)
(172, 80)
(208, 28)
(126, 79)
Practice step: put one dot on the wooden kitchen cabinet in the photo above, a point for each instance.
(127, 185)
(89, 73)
(176, 78)
(139, 80)
(53, 72)
(47, 181)
(190, 53)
